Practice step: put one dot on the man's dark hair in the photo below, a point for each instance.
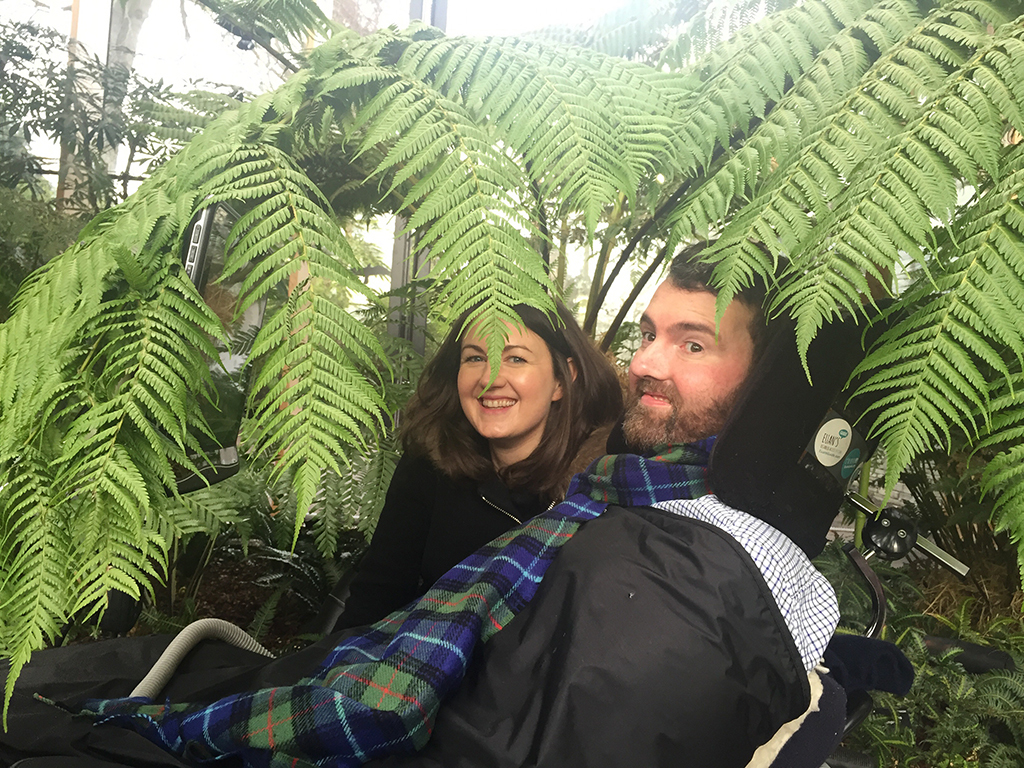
(690, 275)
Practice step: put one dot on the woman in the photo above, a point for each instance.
(481, 459)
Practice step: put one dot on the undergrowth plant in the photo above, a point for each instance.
(826, 146)
(950, 719)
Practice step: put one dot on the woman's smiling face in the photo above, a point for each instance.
(511, 414)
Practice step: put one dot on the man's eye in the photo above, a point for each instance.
(647, 336)
(693, 346)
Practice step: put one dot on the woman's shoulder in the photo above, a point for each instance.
(417, 473)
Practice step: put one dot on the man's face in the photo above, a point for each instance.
(684, 380)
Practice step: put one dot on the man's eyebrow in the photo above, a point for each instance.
(682, 326)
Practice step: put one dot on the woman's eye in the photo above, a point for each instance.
(516, 359)
(473, 359)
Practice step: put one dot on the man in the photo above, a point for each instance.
(677, 634)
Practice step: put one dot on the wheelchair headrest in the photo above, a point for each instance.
(789, 448)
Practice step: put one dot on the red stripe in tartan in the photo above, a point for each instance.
(270, 724)
(398, 668)
(378, 686)
(270, 720)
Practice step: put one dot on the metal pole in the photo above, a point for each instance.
(439, 14)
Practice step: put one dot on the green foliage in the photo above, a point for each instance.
(31, 233)
(949, 718)
(91, 111)
(43, 98)
(828, 147)
(855, 606)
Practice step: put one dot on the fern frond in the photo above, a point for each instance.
(1004, 474)
(35, 548)
(210, 509)
(264, 617)
(814, 97)
(891, 202)
(637, 29)
(712, 26)
(318, 401)
(353, 499)
(802, 195)
(566, 136)
(966, 324)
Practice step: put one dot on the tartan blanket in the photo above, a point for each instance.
(377, 692)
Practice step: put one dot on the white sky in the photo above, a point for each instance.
(177, 50)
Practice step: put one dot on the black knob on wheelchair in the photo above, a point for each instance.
(891, 535)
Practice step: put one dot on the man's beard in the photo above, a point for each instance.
(645, 428)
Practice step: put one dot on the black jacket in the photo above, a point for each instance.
(429, 524)
(653, 642)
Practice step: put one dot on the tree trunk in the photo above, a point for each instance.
(126, 20)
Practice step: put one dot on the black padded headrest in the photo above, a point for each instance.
(789, 448)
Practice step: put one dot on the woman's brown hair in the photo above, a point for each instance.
(435, 424)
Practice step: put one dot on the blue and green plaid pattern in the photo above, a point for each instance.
(378, 691)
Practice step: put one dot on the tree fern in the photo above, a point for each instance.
(638, 29)
(36, 580)
(815, 96)
(858, 132)
(711, 26)
(889, 205)
(832, 136)
(1004, 475)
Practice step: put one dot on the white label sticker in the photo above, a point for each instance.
(832, 441)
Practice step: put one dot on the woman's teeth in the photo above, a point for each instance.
(497, 403)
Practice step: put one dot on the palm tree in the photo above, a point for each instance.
(826, 147)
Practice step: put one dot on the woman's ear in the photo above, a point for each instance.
(572, 368)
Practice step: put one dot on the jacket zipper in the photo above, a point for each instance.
(501, 509)
(506, 512)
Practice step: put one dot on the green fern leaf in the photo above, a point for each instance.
(966, 320)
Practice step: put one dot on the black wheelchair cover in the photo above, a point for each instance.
(42, 735)
(635, 651)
